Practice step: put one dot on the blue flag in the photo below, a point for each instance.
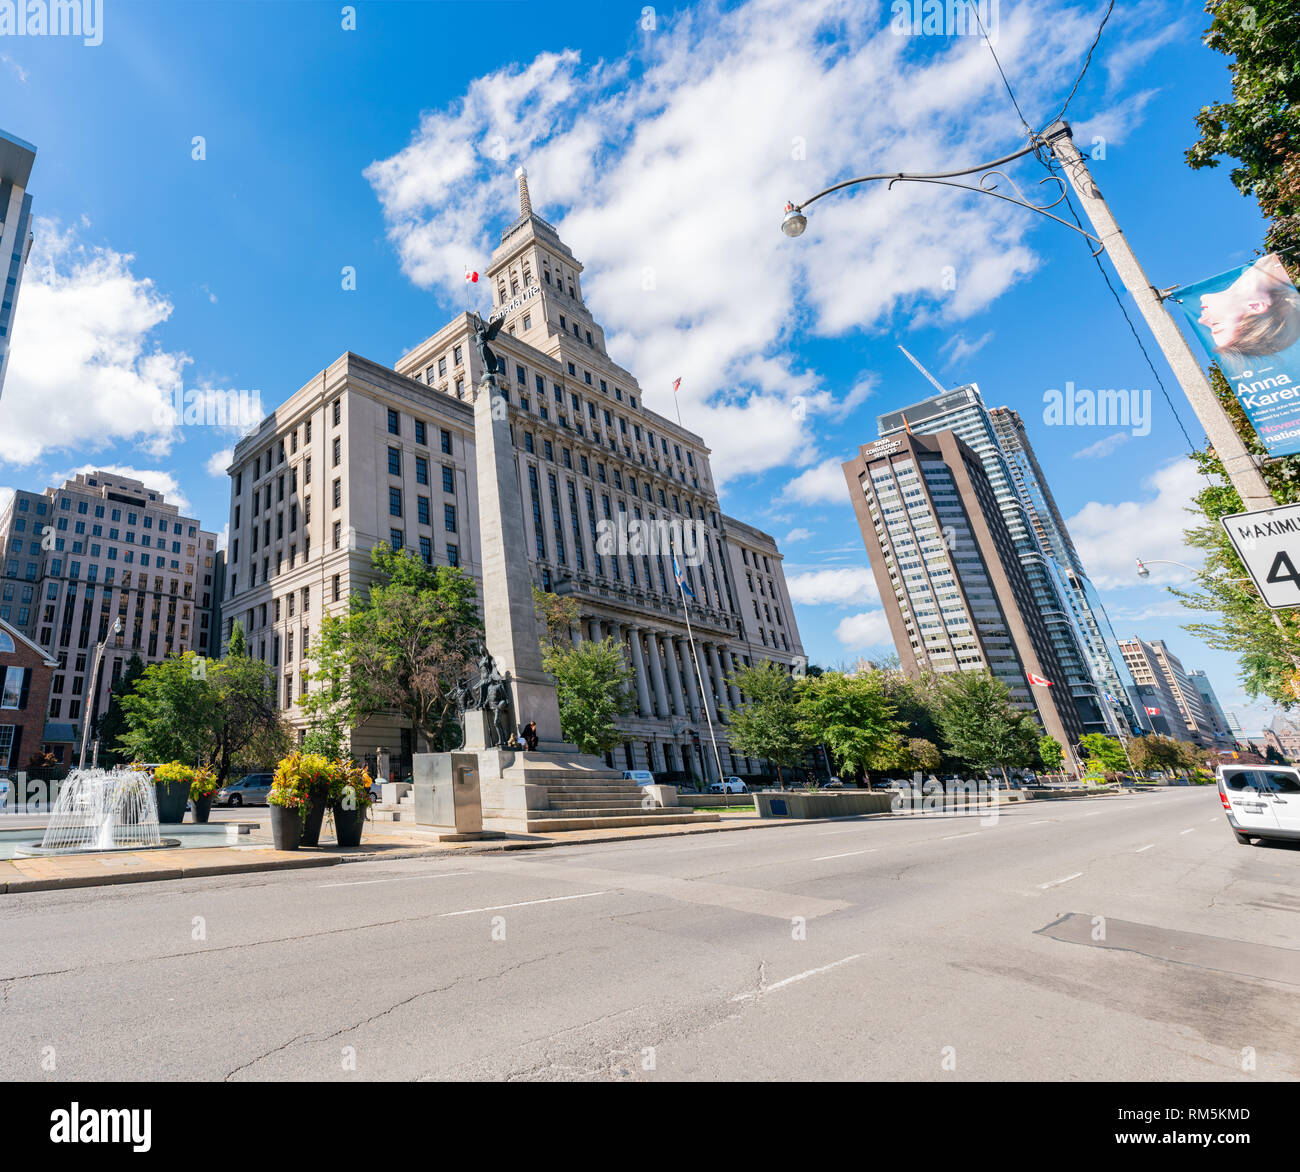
(681, 577)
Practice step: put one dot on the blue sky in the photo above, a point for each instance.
(663, 143)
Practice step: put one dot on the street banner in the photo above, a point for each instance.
(1248, 320)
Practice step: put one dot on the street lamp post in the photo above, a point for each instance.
(94, 687)
(1240, 465)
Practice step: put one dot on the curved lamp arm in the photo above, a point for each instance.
(795, 221)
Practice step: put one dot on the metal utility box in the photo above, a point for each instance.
(456, 799)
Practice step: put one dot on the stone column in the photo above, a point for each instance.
(657, 673)
(732, 691)
(715, 673)
(674, 676)
(638, 667)
(509, 621)
(692, 685)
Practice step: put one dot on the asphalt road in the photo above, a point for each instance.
(1122, 938)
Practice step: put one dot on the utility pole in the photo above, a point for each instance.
(1239, 463)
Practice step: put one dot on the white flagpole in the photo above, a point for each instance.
(695, 658)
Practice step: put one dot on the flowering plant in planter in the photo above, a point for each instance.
(203, 783)
(350, 785)
(174, 771)
(299, 779)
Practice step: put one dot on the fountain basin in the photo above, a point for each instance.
(34, 850)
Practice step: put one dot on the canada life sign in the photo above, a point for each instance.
(1248, 319)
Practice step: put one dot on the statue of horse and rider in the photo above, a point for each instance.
(489, 692)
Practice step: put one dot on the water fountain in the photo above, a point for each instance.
(102, 810)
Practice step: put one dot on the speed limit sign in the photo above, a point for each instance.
(1268, 542)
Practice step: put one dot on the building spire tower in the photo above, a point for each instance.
(525, 203)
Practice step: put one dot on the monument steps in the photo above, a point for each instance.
(542, 821)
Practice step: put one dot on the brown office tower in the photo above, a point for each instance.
(951, 584)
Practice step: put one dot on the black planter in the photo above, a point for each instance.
(286, 828)
(173, 797)
(348, 824)
(312, 819)
(202, 808)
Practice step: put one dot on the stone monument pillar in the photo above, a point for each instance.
(509, 620)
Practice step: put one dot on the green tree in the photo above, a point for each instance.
(1050, 753)
(1164, 754)
(981, 724)
(558, 614)
(1108, 752)
(112, 722)
(402, 648)
(851, 716)
(1260, 129)
(171, 714)
(592, 683)
(1260, 126)
(766, 724)
(247, 727)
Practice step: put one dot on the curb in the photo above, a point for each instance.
(197, 871)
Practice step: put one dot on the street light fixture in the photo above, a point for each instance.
(93, 690)
(795, 221)
(1056, 140)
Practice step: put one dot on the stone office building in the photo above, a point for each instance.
(116, 549)
(364, 453)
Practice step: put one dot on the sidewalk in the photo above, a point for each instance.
(391, 840)
(382, 840)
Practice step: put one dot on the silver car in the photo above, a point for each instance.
(250, 790)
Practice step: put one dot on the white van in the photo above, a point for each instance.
(640, 776)
(1261, 801)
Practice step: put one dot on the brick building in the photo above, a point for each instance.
(26, 671)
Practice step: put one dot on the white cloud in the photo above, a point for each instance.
(833, 587)
(822, 482)
(865, 631)
(1103, 447)
(218, 462)
(158, 479)
(666, 170)
(223, 538)
(84, 370)
(958, 348)
(1111, 537)
(797, 535)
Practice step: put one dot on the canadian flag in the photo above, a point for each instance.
(676, 383)
(1038, 681)
(471, 276)
(1152, 711)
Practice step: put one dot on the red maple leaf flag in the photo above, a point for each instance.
(1152, 711)
(676, 383)
(1038, 681)
(471, 276)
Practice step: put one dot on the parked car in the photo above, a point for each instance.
(834, 783)
(640, 776)
(729, 785)
(250, 790)
(1260, 801)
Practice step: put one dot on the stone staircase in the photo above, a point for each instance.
(603, 799)
(537, 792)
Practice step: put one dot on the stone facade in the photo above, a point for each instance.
(118, 550)
(363, 453)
